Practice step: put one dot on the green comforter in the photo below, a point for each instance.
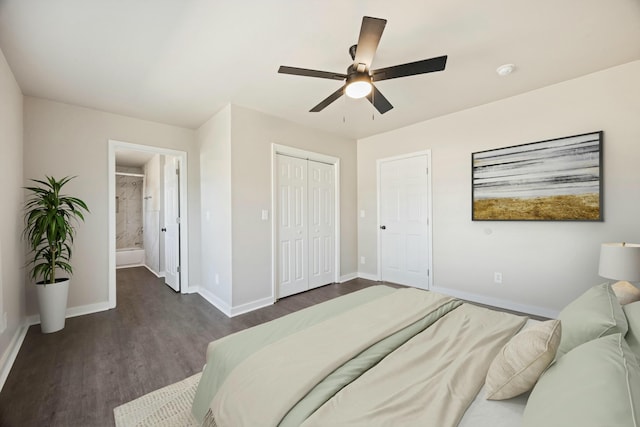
(282, 372)
(225, 354)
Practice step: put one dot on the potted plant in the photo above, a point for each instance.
(50, 218)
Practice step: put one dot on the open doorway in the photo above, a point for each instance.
(147, 213)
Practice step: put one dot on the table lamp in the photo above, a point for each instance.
(621, 261)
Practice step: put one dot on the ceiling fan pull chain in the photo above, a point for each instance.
(373, 101)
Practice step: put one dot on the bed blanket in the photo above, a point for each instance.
(224, 354)
(266, 385)
(429, 381)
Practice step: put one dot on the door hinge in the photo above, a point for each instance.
(178, 220)
(178, 269)
(177, 171)
(427, 169)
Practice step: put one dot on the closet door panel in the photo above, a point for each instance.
(293, 240)
(321, 223)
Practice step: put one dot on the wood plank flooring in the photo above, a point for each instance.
(153, 338)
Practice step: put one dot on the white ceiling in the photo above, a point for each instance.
(180, 61)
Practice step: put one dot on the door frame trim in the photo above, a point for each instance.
(307, 155)
(379, 163)
(115, 145)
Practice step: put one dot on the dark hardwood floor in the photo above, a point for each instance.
(154, 337)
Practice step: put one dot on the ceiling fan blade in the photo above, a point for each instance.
(370, 33)
(311, 73)
(410, 69)
(379, 101)
(328, 100)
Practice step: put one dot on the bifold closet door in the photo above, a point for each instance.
(292, 225)
(306, 224)
(321, 223)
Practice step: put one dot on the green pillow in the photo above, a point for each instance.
(594, 385)
(594, 314)
(632, 311)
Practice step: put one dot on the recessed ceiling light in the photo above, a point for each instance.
(505, 70)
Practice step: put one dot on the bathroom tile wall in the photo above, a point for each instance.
(129, 209)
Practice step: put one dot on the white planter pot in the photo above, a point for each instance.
(52, 299)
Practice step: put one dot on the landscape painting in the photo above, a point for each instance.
(554, 180)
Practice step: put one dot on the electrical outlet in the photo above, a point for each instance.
(363, 260)
(497, 277)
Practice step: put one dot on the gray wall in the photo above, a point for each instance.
(235, 164)
(12, 259)
(62, 139)
(544, 264)
(252, 135)
(152, 206)
(214, 143)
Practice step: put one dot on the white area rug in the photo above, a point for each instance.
(169, 406)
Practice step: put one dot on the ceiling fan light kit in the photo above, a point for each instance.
(358, 81)
(358, 86)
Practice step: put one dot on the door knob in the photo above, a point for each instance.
(163, 229)
(383, 227)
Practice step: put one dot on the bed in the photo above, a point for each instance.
(386, 357)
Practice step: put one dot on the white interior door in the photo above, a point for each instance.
(292, 225)
(172, 222)
(404, 256)
(321, 223)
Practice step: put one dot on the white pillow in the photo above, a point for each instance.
(517, 367)
(626, 292)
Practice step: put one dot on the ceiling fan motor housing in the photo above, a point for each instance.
(356, 76)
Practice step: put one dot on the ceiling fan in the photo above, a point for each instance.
(359, 77)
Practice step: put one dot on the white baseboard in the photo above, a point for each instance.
(118, 267)
(213, 300)
(232, 311)
(498, 302)
(190, 289)
(74, 311)
(158, 275)
(250, 306)
(10, 354)
(368, 276)
(348, 277)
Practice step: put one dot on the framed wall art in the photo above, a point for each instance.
(554, 180)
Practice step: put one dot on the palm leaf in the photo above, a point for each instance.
(49, 226)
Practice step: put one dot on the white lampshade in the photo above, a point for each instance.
(620, 261)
